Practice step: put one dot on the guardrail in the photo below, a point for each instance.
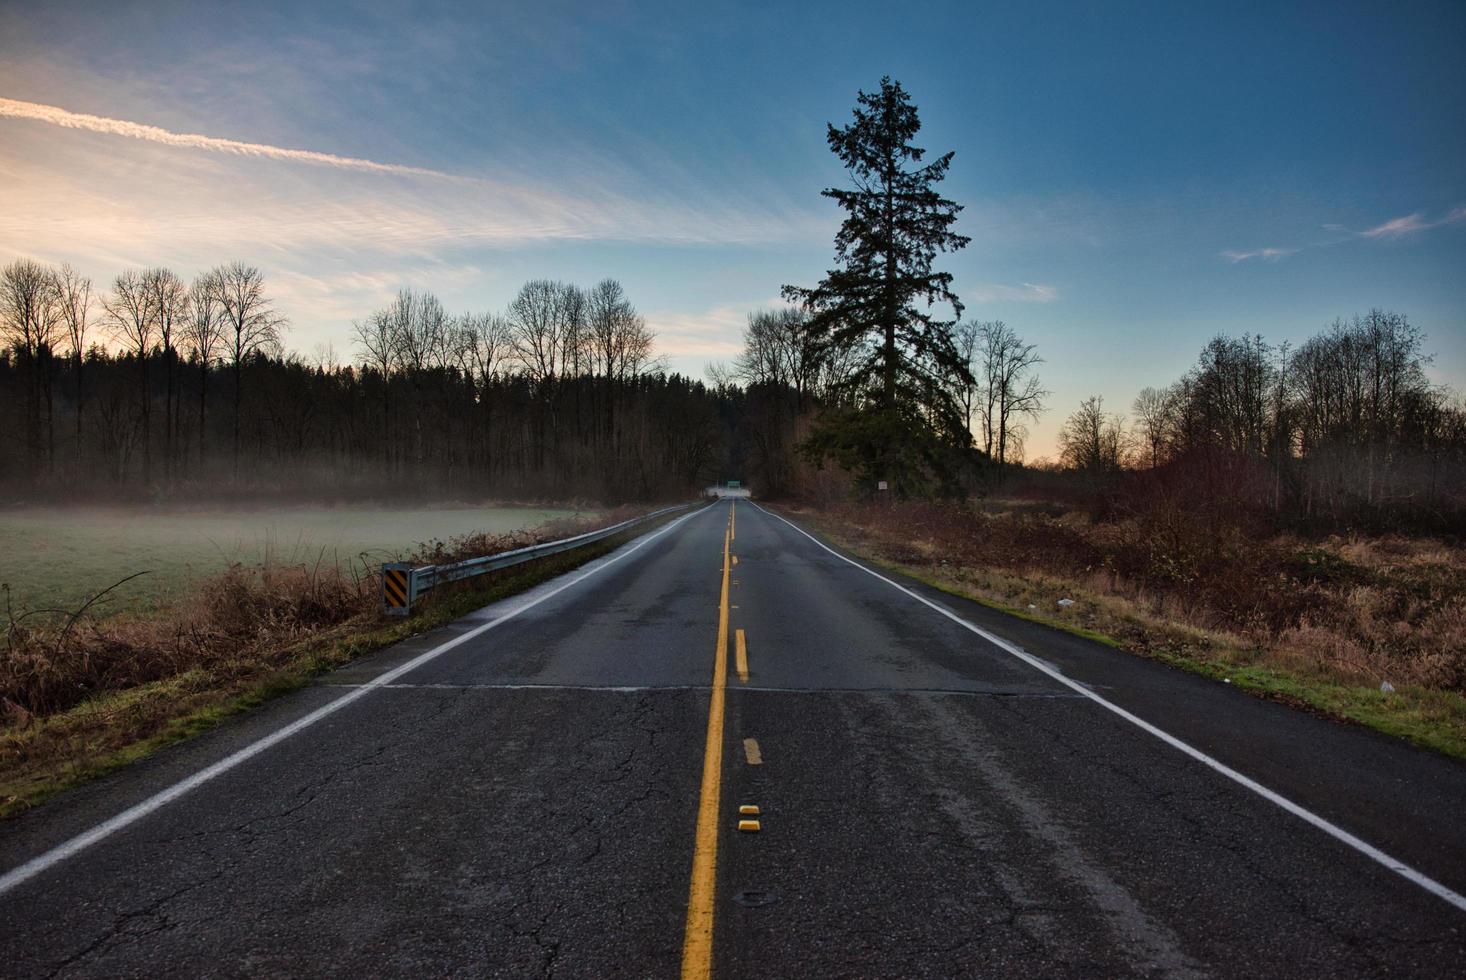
(403, 583)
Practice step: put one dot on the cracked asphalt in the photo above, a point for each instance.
(525, 804)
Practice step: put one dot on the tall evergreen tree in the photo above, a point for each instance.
(903, 424)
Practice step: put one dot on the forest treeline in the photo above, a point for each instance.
(1346, 428)
(870, 381)
(161, 388)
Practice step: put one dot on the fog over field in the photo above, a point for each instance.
(58, 558)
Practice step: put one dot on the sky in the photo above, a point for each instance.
(1136, 177)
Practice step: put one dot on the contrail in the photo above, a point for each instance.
(55, 115)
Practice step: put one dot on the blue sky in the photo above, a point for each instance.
(1137, 177)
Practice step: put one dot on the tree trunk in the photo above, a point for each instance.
(238, 382)
(78, 415)
(203, 415)
(147, 419)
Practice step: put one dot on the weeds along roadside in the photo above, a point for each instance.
(82, 701)
(1320, 624)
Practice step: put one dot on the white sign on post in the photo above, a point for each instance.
(881, 485)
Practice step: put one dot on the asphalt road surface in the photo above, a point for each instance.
(553, 785)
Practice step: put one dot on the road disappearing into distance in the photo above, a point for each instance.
(727, 749)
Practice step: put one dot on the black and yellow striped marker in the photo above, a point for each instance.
(395, 587)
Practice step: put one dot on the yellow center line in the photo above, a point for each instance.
(697, 941)
(741, 646)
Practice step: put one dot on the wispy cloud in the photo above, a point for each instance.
(1270, 254)
(147, 203)
(1025, 292)
(1412, 223)
(16, 109)
(1395, 228)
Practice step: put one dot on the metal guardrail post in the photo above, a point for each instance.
(403, 583)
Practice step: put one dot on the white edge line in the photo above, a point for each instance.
(1333, 830)
(137, 811)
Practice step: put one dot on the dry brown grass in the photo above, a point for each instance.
(244, 620)
(1362, 610)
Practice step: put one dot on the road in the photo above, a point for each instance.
(552, 786)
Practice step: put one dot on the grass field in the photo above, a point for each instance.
(54, 558)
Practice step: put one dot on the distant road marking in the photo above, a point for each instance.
(1308, 816)
(697, 941)
(134, 813)
(741, 646)
(733, 520)
(752, 753)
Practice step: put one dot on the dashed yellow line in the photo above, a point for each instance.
(741, 648)
(697, 941)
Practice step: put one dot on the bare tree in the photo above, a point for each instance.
(481, 342)
(251, 326)
(74, 302)
(778, 351)
(1092, 440)
(635, 343)
(765, 366)
(1361, 393)
(967, 338)
(606, 308)
(31, 326)
(611, 327)
(535, 331)
(481, 345)
(574, 342)
(203, 341)
(1226, 397)
(1011, 390)
(374, 341)
(130, 314)
(378, 349)
(720, 374)
(1155, 411)
(418, 330)
(169, 299)
(764, 359)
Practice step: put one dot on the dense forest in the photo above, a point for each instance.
(161, 389)
(156, 391)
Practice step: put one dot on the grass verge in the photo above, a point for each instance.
(1426, 716)
(113, 729)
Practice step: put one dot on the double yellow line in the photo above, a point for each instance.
(697, 943)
